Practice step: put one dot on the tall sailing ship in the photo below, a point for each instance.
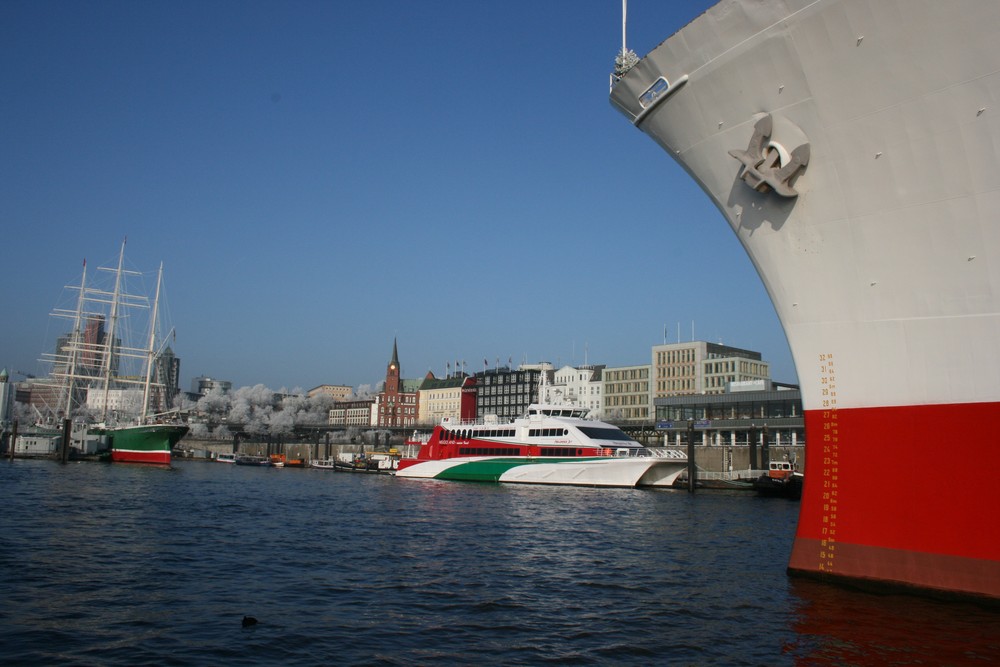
(98, 370)
(853, 146)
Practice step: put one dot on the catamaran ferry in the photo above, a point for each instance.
(548, 445)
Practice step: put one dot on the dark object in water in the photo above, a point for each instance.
(248, 621)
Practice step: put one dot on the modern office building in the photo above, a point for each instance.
(755, 412)
(202, 385)
(6, 398)
(337, 392)
(700, 367)
(627, 395)
(165, 381)
(360, 412)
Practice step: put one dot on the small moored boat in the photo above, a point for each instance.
(781, 481)
(252, 460)
(371, 462)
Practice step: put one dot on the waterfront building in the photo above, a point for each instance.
(507, 393)
(45, 395)
(202, 385)
(166, 380)
(6, 398)
(579, 386)
(337, 392)
(754, 413)
(358, 412)
(94, 342)
(120, 401)
(700, 367)
(397, 404)
(453, 396)
(627, 395)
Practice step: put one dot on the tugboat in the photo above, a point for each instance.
(781, 481)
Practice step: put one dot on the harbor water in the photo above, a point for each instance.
(138, 565)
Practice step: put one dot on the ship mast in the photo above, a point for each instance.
(74, 347)
(113, 317)
(151, 350)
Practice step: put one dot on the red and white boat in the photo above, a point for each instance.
(549, 445)
(852, 146)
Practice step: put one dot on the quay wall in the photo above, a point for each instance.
(708, 458)
(296, 450)
(735, 459)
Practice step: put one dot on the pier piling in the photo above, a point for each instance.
(692, 468)
(67, 433)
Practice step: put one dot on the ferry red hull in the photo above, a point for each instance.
(879, 498)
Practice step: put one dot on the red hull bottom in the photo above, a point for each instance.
(902, 496)
(159, 457)
(950, 575)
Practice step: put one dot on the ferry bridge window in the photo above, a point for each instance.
(597, 433)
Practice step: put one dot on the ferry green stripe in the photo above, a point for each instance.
(490, 470)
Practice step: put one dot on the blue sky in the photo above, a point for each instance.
(320, 178)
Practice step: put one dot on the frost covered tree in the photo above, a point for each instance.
(252, 406)
(198, 431)
(282, 422)
(215, 403)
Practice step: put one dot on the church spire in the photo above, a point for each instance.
(395, 355)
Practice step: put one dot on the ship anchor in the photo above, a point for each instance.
(764, 168)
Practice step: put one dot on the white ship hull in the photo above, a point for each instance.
(624, 472)
(882, 262)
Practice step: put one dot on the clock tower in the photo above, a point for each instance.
(397, 404)
(392, 373)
